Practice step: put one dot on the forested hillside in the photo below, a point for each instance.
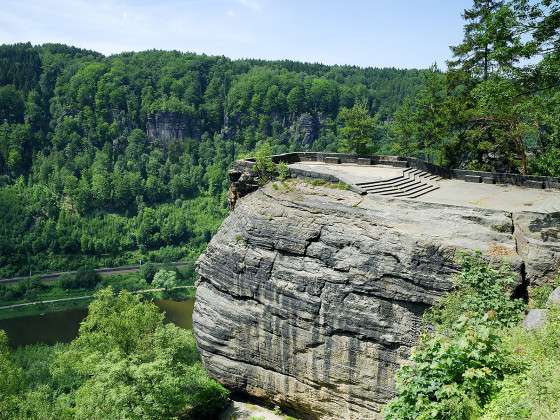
(108, 160)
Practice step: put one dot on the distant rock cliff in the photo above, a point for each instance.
(165, 127)
(312, 297)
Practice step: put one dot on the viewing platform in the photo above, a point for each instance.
(411, 178)
(409, 183)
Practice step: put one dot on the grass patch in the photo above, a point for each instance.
(476, 361)
(538, 296)
(319, 182)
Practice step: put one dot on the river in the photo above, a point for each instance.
(62, 326)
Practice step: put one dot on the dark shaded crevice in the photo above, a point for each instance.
(522, 289)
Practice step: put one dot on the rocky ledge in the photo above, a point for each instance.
(311, 297)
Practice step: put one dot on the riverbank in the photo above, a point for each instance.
(39, 298)
(62, 325)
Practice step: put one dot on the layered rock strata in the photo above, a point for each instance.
(312, 297)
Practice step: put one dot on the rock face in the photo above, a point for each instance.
(538, 243)
(165, 127)
(311, 297)
(305, 129)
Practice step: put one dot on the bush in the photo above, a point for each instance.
(84, 278)
(264, 167)
(165, 279)
(459, 365)
(148, 271)
(481, 288)
(533, 392)
(452, 376)
(283, 171)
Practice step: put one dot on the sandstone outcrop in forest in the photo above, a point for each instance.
(311, 297)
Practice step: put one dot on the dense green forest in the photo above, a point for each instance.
(88, 177)
(497, 107)
(112, 160)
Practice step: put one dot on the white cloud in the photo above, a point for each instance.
(255, 5)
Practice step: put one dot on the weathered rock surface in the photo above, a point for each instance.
(165, 127)
(535, 318)
(538, 243)
(312, 297)
(305, 129)
(554, 297)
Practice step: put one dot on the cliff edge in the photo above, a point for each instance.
(311, 297)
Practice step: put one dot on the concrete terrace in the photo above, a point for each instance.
(409, 183)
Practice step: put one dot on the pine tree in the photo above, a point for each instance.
(489, 39)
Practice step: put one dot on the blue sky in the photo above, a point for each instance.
(379, 33)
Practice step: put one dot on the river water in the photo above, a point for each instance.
(62, 327)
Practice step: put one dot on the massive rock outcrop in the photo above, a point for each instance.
(311, 297)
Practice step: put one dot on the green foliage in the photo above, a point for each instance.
(538, 296)
(83, 181)
(283, 171)
(534, 392)
(165, 279)
(450, 376)
(264, 167)
(148, 271)
(125, 363)
(496, 109)
(458, 366)
(481, 289)
(11, 381)
(83, 279)
(358, 130)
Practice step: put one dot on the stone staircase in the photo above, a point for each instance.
(413, 183)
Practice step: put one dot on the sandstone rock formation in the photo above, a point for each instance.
(311, 297)
(305, 129)
(165, 127)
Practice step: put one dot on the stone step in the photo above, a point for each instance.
(425, 175)
(381, 181)
(407, 189)
(418, 192)
(421, 193)
(388, 188)
(414, 172)
(415, 191)
(394, 184)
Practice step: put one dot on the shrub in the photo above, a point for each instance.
(84, 278)
(459, 364)
(452, 375)
(165, 279)
(533, 392)
(264, 167)
(148, 271)
(481, 288)
(283, 171)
